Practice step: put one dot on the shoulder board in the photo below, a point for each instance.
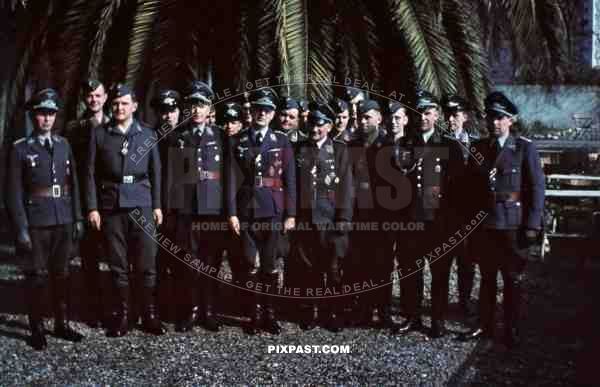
(280, 132)
(57, 138)
(338, 141)
(22, 139)
(525, 138)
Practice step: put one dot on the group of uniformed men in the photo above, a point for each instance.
(331, 166)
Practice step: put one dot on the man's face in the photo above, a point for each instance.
(123, 108)
(457, 120)
(212, 116)
(262, 116)
(428, 119)
(44, 120)
(500, 125)
(232, 127)
(341, 120)
(319, 132)
(370, 120)
(170, 117)
(399, 121)
(200, 112)
(95, 99)
(289, 119)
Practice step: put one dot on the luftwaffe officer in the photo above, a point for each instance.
(123, 200)
(456, 112)
(261, 195)
(325, 207)
(435, 161)
(43, 201)
(289, 120)
(199, 205)
(78, 134)
(508, 185)
(167, 105)
(373, 181)
(342, 130)
(232, 118)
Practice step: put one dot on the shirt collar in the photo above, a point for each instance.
(427, 135)
(502, 140)
(321, 142)
(41, 138)
(199, 129)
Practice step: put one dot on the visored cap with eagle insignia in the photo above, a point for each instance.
(46, 99)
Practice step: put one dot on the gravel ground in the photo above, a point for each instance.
(561, 315)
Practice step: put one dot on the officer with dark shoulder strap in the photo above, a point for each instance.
(78, 133)
(457, 115)
(435, 164)
(508, 185)
(261, 204)
(373, 207)
(324, 175)
(43, 201)
(198, 201)
(167, 105)
(123, 200)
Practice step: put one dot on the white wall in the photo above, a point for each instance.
(554, 106)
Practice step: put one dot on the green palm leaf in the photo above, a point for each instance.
(102, 27)
(140, 38)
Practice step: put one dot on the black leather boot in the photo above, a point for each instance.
(36, 324)
(270, 323)
(119, 324)
(150, 321)
(62, 328)
(438, 329)
(210, 321)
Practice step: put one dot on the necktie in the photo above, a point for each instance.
(259, 138)
(48, 146)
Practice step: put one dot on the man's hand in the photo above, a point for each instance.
(95, 220)
(158, 216)
(234, 223)
(289, 225)
(24, 240)
(78, 231)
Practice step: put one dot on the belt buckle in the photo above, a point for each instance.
(203, 175)
(56, 191)
(128, 179)
(258, 181)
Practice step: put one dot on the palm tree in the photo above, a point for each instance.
(390, 46)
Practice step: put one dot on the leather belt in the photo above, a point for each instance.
(326, 195)
(506, 196)
(127, 179)
(208, 175)
(268, 182)
(53, 191)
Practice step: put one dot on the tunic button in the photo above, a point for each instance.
(419, 177)
(437, 159)
(419, 185)
(419, 168)
(55, 180)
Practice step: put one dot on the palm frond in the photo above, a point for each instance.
(265, 51)
(428, 47)
(140, 38)
(321, 53)
(242, 55)
(291, 33)
(29, 44)
(102, 26)
(467, 44)
(70, 51)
